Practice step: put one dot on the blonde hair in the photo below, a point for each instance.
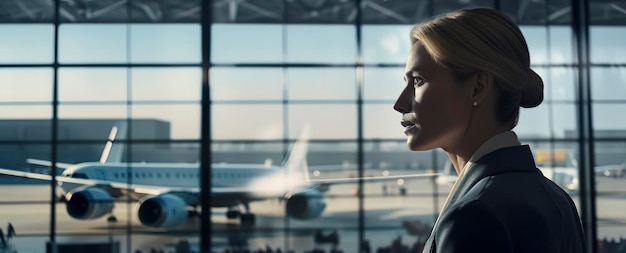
(475, 40)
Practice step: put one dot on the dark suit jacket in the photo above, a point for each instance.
(505, 204)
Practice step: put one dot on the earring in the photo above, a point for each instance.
(475, 103)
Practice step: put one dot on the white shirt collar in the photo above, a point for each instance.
(502, 140)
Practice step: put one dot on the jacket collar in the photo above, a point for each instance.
(508, 159)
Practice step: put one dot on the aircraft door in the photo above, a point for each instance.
(101, 174)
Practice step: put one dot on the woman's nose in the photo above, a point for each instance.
(404, 102)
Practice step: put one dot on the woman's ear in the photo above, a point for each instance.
(482, 82)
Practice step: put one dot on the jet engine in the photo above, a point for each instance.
(88, 203)
(305, 205)
(165, 210)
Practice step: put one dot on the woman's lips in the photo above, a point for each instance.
(408, 126)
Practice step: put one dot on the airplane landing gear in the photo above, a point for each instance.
(112, 218)
(246, 218)
(193, 212)
(232, 214)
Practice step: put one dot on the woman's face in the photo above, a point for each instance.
(435, 107)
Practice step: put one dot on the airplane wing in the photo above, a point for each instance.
(338, 167)
(137, 188)
(611, 170)
(188, 193)
(372, 179)
(48, 163)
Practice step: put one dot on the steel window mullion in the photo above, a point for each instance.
(580, 17)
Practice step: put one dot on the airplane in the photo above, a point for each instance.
(167, 192)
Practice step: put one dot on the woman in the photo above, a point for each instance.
(467, 75)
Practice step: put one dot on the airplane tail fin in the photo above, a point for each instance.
(296, 161)
(113, 151)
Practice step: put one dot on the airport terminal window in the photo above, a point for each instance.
(93, 43)
(274, 68)
(324, 84)
(233, 84)
(28, 43)
(317, 116)
(385, 44)
(314, 43)
(228, 47)
(267, 118)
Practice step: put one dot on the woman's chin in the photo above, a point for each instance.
(413, 144)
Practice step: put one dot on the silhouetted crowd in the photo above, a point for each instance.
(612, 245)
(397, 246)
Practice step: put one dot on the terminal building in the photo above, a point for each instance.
(237, 83)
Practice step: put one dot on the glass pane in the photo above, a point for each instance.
(559, 163)
(559, 84)
(561, 46)
(25, 85)
(246, 84)
(399, 210)
(383, 83)
(31, 241)
(549, 44)
(607, 122)
(165, 43)
(608, 83)
(321, 44)
(564, 120)
(26, 112)
(29, 129)
(382, 121)
(247, 121)
(244, 152)
(547, 121)
(184, 119)
(231, 43)
(534, 122)
(606, 45)
(93, 111)
(321, 83)
(92, 84)
(166, 84)
(386, 43)
(17, 157)
(99, 130)
(93, 43)
(325, 121)
(609, 179)
(26, 43)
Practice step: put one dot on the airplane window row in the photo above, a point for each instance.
(157, 175)
(236, 175)
(177, 175)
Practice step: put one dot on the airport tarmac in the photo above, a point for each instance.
(27, 208)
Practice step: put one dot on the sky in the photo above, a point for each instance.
(248, 101)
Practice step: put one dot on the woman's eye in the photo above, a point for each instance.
(417, 81)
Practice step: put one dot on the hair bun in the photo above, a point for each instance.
(532, 93)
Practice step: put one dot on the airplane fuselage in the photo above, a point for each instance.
(183, 175)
